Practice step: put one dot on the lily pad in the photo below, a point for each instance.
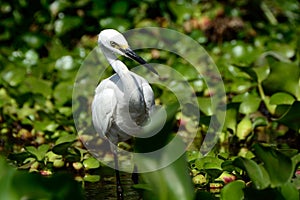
(91, 163)
(91, 178)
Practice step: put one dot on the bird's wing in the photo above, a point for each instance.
(147, 91)
(103, 109)
(148, 96)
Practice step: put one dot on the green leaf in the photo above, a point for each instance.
(233, 191)
(205, 105)
(62, 148)
(281, 98)
(244, 128)
(284, 76)
(231, 116)
(31, 58)
(63, 143)
(120, 24)
(66, 139)
(296, 160)
(192, 155)
(91, 163)
(34, 40)
(239, 86)
(289, 191)
(209, 161)
(249, 105)
(291, 117)
(274, 162)
(119, 8)
(45, 125)
(262, 72)
(35, 85)
(64, 63)
(259, 121)
(249, 102)
(257, 173)
(66, 24)
(39, 152)
(171, 182)
(63, 93)
(14, 76)
(181, 11)
(91, 178)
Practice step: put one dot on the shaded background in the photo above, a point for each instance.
(255, 45)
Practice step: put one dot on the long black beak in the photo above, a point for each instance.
(131, 54)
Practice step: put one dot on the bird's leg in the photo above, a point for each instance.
(135, 175)
(119, 186)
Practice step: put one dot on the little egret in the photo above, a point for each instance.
(122, 102)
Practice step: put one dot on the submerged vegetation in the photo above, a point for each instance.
(255, 45)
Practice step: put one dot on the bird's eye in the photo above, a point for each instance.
(114, 44)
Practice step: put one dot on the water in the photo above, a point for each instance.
(105, 189)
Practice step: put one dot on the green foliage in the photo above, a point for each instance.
(255, 45)
(170, 182)
(19, 185)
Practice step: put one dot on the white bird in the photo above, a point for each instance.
(124, 101)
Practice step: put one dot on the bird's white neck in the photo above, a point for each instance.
(118, 66)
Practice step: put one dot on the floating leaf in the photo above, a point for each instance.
(233, 191)
(91, 163)
(91, 178)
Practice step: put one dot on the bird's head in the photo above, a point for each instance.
(114, 41)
